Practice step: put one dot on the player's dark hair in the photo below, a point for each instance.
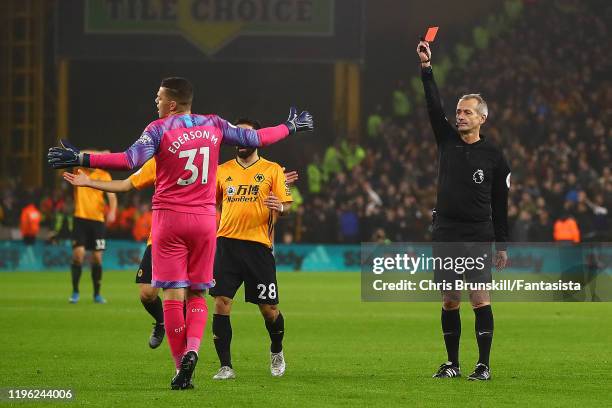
(179, 90)
(251, 122)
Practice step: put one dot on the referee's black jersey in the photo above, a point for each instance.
(473, 179)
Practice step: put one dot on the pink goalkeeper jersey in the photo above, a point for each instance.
(187, 174)
(186, 149)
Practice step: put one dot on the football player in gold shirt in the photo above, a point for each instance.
(251, 194)
(89, 231)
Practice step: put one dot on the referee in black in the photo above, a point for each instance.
(471, 212)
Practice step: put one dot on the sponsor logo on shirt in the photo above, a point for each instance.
(244, 193)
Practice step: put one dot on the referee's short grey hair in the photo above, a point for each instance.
(482, 104)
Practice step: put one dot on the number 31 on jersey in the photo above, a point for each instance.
(189, 166)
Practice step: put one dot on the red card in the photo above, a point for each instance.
(431, 34)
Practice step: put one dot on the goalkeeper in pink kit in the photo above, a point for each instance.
(186, 148)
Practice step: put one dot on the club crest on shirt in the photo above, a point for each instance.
(259, 177)
(231, 190)
(478, 176)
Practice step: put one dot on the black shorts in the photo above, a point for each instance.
(144, 271)
(89, 233)
(238, 261)
(469, 245)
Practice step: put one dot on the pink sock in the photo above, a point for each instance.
(197, 313)
(174, 321)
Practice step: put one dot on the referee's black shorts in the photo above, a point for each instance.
(461, 241)
(238, 261)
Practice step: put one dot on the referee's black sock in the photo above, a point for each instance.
(155, 309)
(96, 277)
(75, 272)
(222, 336)
(451, 329)
(484, 332)
(276, 329)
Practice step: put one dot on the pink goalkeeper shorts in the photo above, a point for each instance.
(183, 250)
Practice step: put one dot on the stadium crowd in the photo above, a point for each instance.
(549, 91)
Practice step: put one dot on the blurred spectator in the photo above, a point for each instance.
(296, 196)
(64, 219)
(520, 230)
(287, 238)
(566, 229)
(30, 222)
(380, 237)
(584, 219)
(601, 225)
(315, 176)
(331, 162)
(9, 208)
(349, 224)
(401, 103)
(541, 230)
(374, 125)
(142, 225)
(352, 153)
(127, 218)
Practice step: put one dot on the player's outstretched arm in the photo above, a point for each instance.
(440, 124)
(65, 155)
(238, 136)
(135, 156)
(112, 186)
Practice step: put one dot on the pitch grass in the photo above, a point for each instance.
(339, 351)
